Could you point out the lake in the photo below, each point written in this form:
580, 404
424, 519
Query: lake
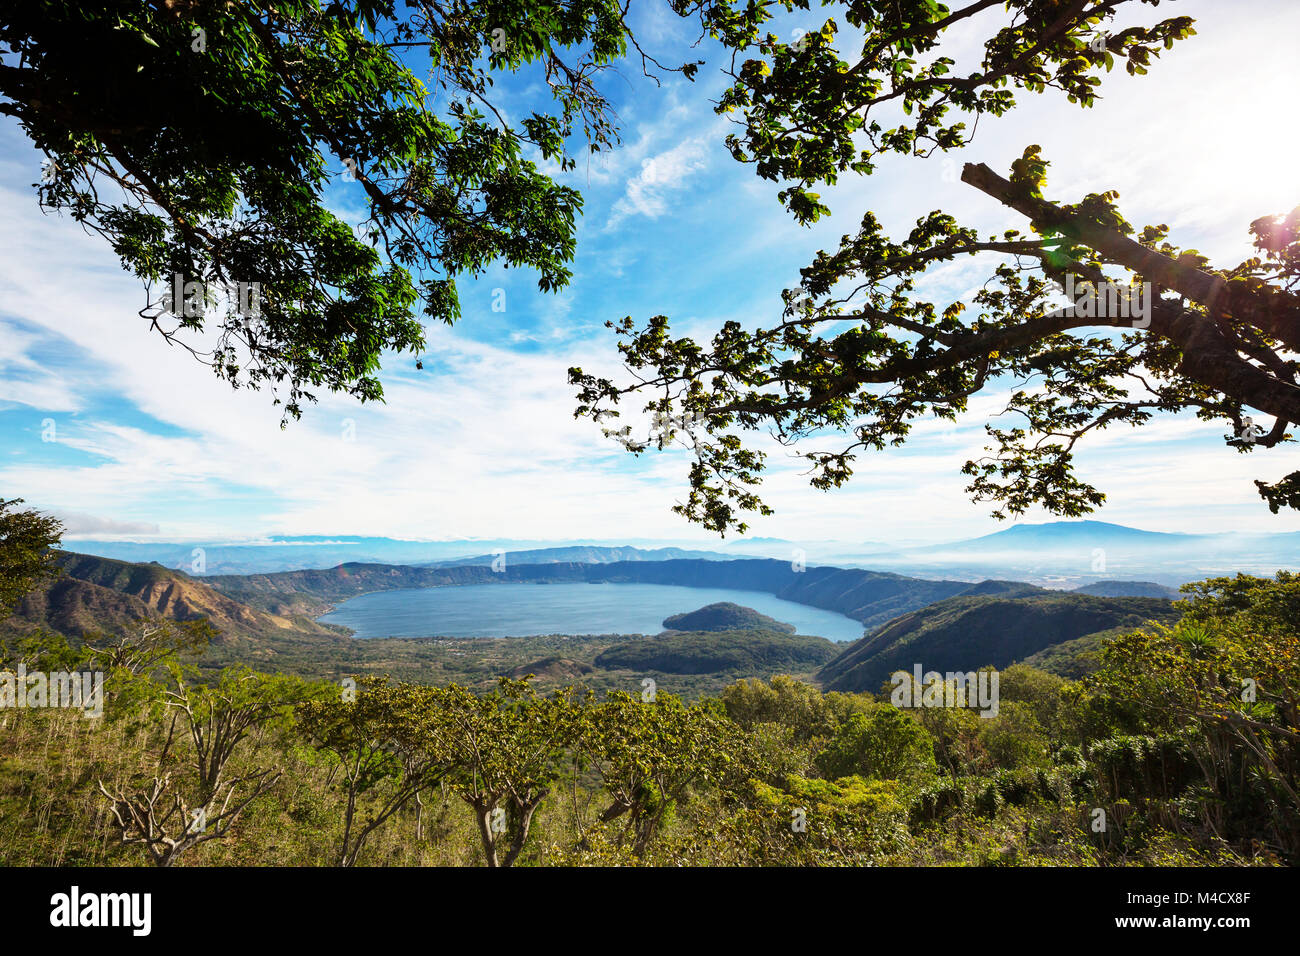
518, 609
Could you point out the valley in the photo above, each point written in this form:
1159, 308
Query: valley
289, 621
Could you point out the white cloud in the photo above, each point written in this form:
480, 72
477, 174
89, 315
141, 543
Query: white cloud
76, 524
648, 192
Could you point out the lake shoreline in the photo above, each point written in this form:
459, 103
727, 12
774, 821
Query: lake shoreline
392, 613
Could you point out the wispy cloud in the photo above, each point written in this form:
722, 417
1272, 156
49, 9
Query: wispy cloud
648, 192
75, 523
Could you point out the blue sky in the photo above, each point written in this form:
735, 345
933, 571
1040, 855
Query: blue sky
110, 428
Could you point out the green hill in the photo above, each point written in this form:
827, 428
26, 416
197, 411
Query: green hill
751, 653
724, 616
1076, 658
964, 633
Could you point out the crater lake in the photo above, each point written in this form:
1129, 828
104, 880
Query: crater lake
518, 609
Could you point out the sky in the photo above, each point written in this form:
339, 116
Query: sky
121, 435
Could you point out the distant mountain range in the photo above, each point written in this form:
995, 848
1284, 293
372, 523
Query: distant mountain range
1059, 554
293, 553
1128, 589
579, 554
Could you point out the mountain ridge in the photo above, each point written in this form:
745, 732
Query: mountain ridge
94, 593
967, 632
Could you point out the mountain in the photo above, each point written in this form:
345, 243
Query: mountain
1069, 554
967, 632
96, 593
279, 553
1129, 589
724, 616
1061, 534
871, 597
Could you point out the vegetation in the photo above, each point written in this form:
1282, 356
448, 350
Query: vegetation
1181, 748
27, 538
199, 140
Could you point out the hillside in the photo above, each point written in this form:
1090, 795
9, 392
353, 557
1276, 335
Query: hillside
102, 594
1007, 589
725, 616
964, 633
1074, 659
748, 653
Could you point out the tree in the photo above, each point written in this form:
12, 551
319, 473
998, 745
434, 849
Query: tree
649, 755
173, 812
389, 746
884, 744
510, 746
160, 818
153, 643
220, 716
782, 700
806, 821
198, 138
1225, 684
1015, 737
858, 349
27, 558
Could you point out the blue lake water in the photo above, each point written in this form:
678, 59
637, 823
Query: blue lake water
517, 609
